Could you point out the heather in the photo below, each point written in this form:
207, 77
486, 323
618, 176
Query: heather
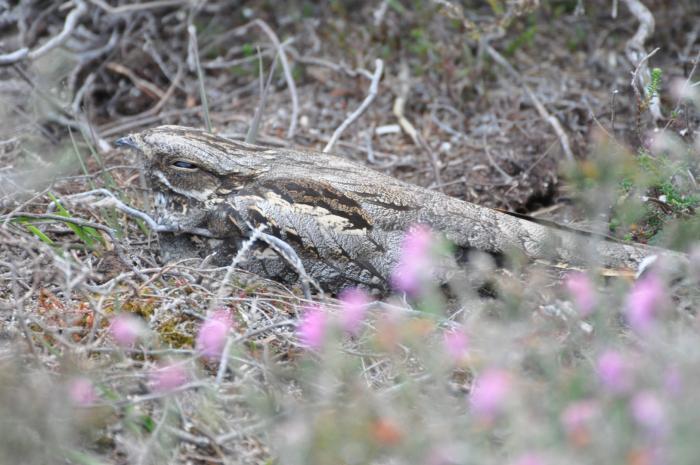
109, 356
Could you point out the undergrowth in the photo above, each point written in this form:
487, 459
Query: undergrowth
116, 359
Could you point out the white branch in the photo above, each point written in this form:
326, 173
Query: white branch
544, 114
56, 41
373, 89
287, 74
638, 56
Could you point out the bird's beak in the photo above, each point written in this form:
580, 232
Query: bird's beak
127, 141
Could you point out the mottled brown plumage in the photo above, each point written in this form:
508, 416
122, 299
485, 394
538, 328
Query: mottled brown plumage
344, 220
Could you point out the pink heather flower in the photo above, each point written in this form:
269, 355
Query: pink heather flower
583, 292
489, 392
312, 328
614, 372
168, 377
529, 458
82, 392
577, 417
649, 412
415, 259
126, 329
644, 302
456, 344
211, 338
673, 383
354, 303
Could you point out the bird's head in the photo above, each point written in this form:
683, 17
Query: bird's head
189, 168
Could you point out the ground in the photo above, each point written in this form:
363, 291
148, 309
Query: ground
546, 108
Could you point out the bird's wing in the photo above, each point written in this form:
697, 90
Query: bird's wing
325, 226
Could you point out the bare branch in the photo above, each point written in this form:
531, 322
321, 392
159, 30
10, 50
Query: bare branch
194, 50
252, 135
371, 95
637, 55
56, 41
137, 6
14, 57
544, 114
637, 70
287, 74
406, 125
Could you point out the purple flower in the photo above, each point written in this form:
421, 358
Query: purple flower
312, 328
529, 458
126, 329
211, 338
354, 303
490, 392
614, 372
577, 418
414, 265
673, 383
168, 377
644, 302
82, 392
583, 292
456, 344
649, 412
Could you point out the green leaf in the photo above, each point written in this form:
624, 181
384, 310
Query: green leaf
76, 456
88, 235
34, 230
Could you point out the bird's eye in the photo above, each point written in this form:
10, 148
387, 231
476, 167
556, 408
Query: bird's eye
185, 165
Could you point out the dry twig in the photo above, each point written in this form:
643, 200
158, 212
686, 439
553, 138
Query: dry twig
637, 55
194, 51
352, 117
56, 41
287, 75
137, 6
407, 126
544, 114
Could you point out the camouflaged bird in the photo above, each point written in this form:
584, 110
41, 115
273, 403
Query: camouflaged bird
345, 221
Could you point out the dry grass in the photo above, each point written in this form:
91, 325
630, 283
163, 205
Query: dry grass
445, 116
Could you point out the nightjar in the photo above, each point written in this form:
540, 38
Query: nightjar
343, 220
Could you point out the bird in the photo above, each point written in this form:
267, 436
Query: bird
345, 222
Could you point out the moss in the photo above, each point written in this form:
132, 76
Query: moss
143, 307
178, 332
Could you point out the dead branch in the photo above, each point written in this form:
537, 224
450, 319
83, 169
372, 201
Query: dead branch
137, 6
407, 126
544, 114
635, 75
56, 41
352, 117
142, 84
287, 74
111, 200
82, 223
637, 55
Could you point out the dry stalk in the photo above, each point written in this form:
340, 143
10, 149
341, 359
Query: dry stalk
136, 7
352, 117
407, 126
637, 55
194, 52
544, 114
287, 74
54, 42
